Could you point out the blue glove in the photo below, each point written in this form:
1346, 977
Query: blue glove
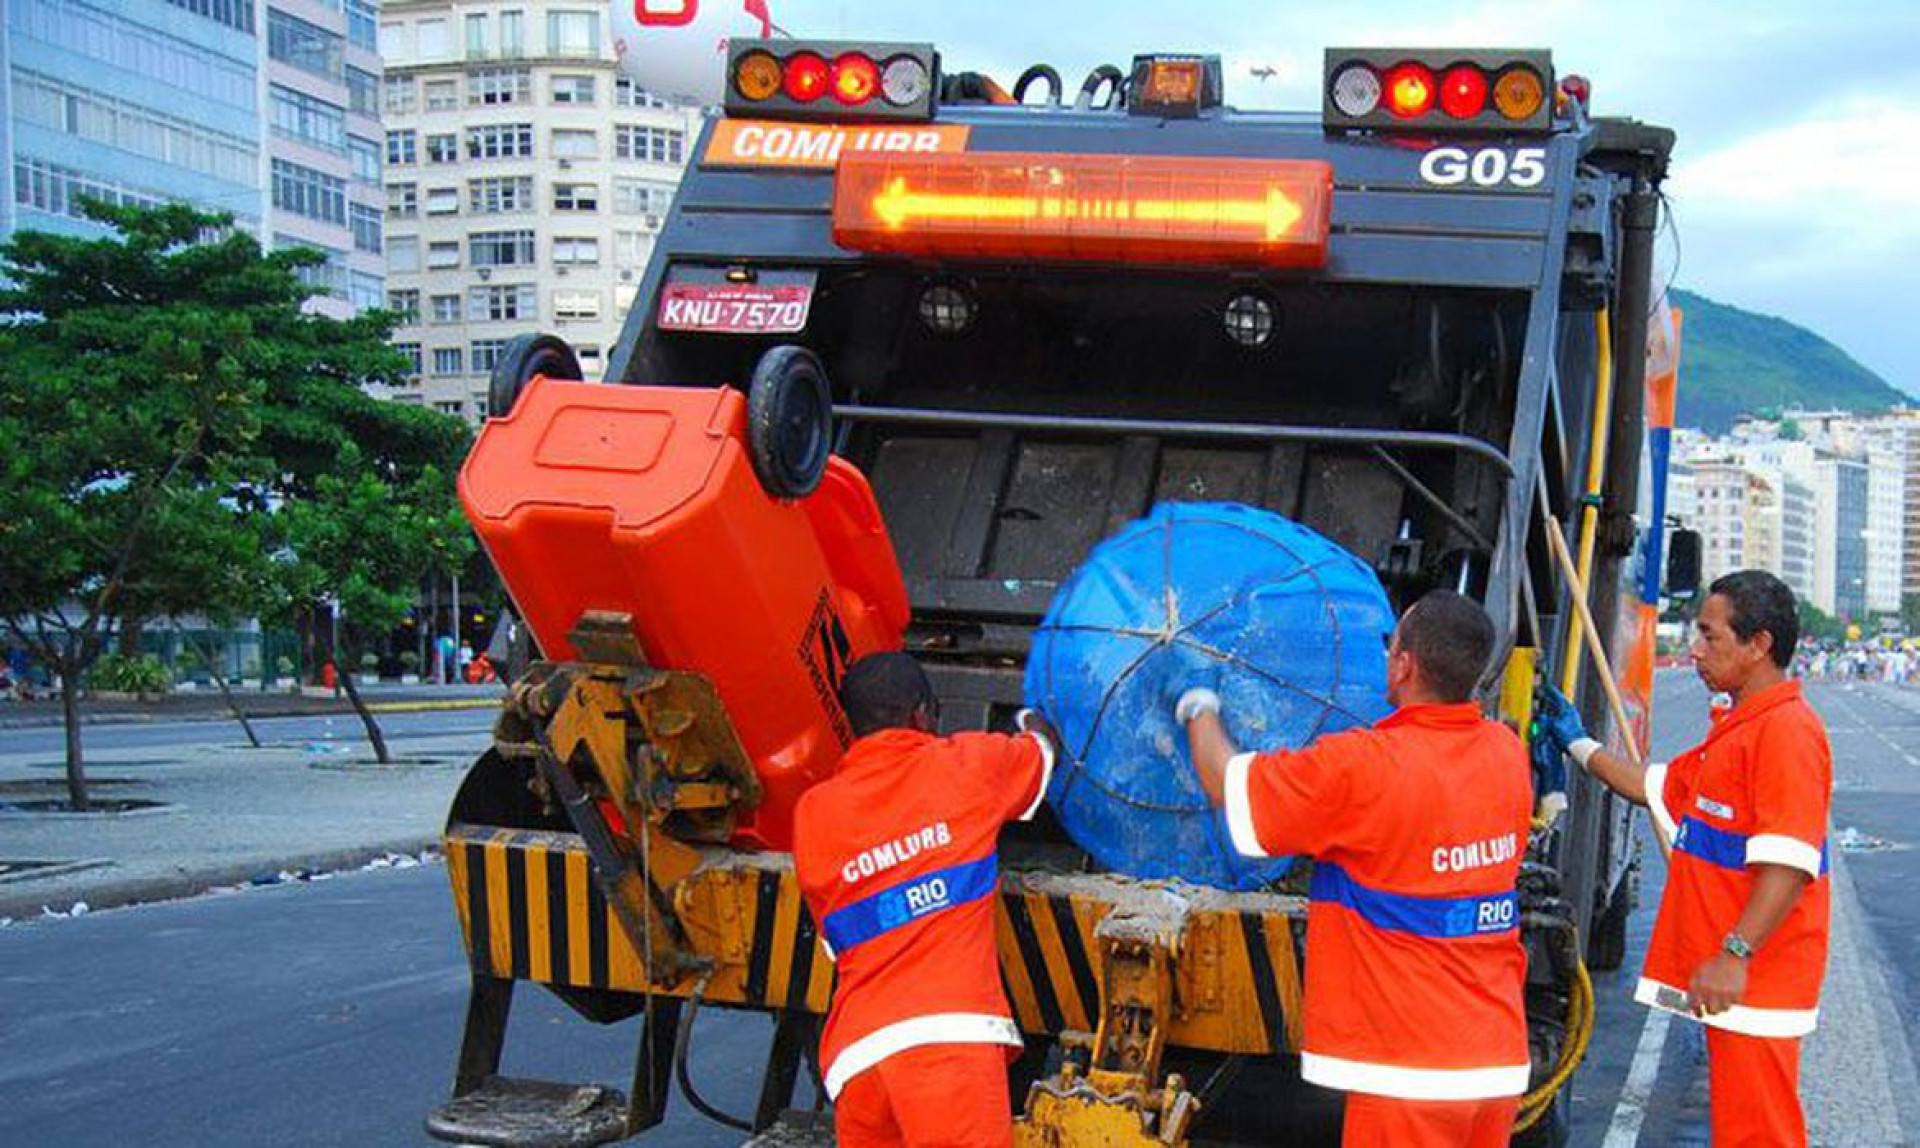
1557, 723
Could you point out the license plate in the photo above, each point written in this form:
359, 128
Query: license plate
735, 308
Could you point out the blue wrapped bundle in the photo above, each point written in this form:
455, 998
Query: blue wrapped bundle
1288, 626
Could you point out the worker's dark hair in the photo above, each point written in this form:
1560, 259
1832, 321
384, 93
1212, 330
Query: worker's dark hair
1760, 601
882, 691
1451, 637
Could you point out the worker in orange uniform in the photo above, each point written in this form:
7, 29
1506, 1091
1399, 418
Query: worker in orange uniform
1741, 938
1417, 825
896, 856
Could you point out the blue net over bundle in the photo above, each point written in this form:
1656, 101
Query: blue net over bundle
1289, 627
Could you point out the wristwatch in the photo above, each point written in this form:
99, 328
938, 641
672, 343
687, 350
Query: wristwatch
1737, 945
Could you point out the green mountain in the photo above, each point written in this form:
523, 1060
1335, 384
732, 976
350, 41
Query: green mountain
1734, 362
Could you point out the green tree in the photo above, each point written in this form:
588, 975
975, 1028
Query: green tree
1818, 625
168, 400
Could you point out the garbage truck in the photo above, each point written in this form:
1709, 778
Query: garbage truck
909, 346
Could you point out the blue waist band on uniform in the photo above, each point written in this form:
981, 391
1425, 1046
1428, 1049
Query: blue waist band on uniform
1721, 847
910, 900
1442, 917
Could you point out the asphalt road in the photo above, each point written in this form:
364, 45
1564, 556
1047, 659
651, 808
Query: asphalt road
282, 730
329, 1012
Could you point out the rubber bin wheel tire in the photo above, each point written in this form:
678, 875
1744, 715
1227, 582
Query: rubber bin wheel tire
520, 360
789, 421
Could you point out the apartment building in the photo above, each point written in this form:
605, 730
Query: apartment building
525, 179
267, 111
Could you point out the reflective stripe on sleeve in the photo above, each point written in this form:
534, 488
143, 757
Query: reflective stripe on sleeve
938, 1028
1046, 776
1779, 849
1414, 1083
1240, 807
1656, 783
1769, 1022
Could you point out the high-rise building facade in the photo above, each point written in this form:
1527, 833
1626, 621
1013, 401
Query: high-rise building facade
526, 179
265, 110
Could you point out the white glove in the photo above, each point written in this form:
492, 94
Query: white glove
1193, 703
1023, 721
1549, 809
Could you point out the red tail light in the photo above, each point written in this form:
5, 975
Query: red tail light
807, 78
856, 79
1463, 92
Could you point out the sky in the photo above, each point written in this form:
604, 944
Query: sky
1795, 188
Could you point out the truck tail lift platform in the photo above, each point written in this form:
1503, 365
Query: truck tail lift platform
1006, 325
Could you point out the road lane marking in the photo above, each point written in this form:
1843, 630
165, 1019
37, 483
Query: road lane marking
1637, 1092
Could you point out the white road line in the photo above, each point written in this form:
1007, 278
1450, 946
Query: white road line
1637, 1092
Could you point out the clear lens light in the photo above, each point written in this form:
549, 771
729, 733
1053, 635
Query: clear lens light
903, 81
1356, 90
946, 309
1249, 320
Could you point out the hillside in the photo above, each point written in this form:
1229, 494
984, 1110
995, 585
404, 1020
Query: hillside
1734, 362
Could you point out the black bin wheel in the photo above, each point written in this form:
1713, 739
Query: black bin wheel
522, 359
789, 421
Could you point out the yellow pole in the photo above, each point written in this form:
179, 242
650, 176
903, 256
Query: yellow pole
1589, 509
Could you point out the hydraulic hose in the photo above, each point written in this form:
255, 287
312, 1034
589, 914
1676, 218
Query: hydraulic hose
1573, 1050
681, 1040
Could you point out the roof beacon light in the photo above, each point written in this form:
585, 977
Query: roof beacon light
1436, 90
821, 80
1174, 87
1102, 208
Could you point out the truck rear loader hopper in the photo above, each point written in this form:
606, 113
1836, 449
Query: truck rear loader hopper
1420, 390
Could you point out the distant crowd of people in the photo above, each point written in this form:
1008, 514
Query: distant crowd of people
1896, 666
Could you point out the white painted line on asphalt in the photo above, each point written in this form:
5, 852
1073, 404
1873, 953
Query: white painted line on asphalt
1637, 1092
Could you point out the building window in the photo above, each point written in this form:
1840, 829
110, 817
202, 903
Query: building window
627, 94
484, 354
446, 308
397, 95
477, 36
574, 144
299, 116
366, 227
443, 95
629, 248
443, 148
363, 24
311, 193
573, 90
449, 361
363, 91
576, 304
641, 197
495, 196
573, 33
366, 159
576, 197
235, 14
127, 46
411, 351
405, 305
57, 190
660, 145
441, 256
91, 116
589, 356
443, 201
329, 276
308, 47
403, 200
500, 141
403, 254
363, 290
498, 302
403, 147
575, 251
513, 34
431, 36
500, 86
500, 248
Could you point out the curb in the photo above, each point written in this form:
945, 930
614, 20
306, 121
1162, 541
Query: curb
25, 906
54, 721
